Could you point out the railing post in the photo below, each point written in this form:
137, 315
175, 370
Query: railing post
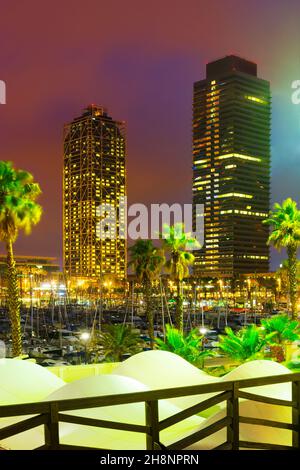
229, 414
151, 413
51, 428
296, 413
233, 431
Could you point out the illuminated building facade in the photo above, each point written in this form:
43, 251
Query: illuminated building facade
94, 175
231, 167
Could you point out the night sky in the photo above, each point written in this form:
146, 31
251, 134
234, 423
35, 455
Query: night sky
139, 59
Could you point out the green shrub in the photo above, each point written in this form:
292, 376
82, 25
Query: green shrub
280, 329
247, 344
189, 346
283, 328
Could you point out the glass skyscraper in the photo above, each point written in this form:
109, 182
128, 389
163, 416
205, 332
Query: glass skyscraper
231, 167
94, 175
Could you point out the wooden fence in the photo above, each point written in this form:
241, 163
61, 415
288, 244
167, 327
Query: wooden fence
51, 413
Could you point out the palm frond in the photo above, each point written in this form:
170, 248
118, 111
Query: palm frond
246, 344
281, 328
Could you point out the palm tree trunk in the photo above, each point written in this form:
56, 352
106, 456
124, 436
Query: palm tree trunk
14, 302
149, 313
118, 357
292, 272
179, 307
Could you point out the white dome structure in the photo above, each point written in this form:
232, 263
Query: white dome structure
251, 432
262, 368
132, 413
26, 381
23, 381
7, 398
163, 369
248, 408
101, 437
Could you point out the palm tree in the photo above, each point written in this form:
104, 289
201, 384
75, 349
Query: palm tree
283, 327
117, 340
147, 261
189, 347
282, 330
285, 223
18, 211
247, 344
176, 241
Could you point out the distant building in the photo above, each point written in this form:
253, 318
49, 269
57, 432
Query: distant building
35, 264
231, 167
33, 272
94, 174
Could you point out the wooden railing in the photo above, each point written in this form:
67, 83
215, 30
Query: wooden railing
51, 413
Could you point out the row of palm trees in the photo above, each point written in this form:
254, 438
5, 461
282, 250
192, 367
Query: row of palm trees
270, 340
147, 261
20, 211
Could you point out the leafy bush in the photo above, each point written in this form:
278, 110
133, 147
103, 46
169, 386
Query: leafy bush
280, 329
247, 344
293, 365
189, 346
117, 340
283, 328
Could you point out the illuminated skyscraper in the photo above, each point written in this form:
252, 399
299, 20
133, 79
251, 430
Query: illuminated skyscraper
231, 167
94, 175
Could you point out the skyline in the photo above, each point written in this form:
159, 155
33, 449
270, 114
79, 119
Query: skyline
148, 83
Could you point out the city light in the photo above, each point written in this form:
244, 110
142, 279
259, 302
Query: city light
85, 336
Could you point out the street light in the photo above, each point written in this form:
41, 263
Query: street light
85, 336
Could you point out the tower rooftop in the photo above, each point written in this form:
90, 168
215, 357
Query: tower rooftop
228, 64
